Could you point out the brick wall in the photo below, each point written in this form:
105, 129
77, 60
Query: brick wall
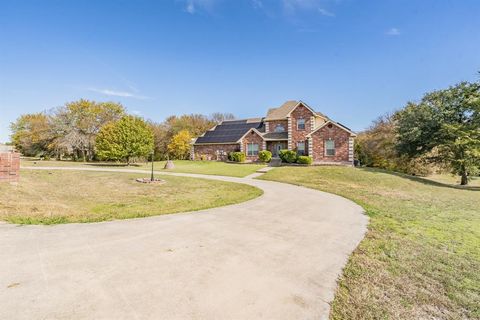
9, 166
299, 135
214, 151
341, 138
252, 137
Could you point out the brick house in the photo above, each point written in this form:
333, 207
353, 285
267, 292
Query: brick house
293, 126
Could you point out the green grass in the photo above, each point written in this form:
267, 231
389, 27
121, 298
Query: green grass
43, 197
185, 166
420, 258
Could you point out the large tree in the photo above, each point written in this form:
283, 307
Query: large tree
31, 134
445, 123
124, 139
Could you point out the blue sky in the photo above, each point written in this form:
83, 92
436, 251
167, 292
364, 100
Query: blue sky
352, 60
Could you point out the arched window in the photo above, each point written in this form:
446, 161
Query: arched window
279, 128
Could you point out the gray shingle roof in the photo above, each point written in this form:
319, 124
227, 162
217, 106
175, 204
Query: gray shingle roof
276, 136
230, 131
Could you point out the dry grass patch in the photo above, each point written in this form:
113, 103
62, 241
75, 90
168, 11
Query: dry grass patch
421, 256
43, 197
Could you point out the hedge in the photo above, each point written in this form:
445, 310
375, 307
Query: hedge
288, 156
237, 156
304, 160
265, 156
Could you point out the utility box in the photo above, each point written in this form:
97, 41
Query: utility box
9, 164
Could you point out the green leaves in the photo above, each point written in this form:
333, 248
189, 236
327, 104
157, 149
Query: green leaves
122, 140
446, 122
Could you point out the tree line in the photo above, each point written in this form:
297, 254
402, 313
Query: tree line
87, 130
441, 131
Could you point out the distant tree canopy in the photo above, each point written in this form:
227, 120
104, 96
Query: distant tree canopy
442, 129
124, 139
31, 133
72, 130
446, 123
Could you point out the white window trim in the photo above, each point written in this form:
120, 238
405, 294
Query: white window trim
334, 148
248, 151
304, 124
304, 147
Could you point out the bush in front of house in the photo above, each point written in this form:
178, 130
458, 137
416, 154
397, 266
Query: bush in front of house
237, 156
265, 156
304, 160
288, 156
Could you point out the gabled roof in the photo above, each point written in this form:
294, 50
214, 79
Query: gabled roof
286, 109
341, 126
282, 111
230, 131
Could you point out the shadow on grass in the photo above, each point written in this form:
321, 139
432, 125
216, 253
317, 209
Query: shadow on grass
107, 164
422, 180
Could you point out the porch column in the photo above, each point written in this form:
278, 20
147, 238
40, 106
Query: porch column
264, 145
289, 145
350, 149
310, 147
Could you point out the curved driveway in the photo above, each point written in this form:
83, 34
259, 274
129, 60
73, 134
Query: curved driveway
275, 257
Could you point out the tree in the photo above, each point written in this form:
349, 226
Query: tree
87, 117
179, 146
31, 134
218, 117
124, 139
446, 123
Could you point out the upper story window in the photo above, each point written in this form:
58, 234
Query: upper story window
279, 128
329, 147
301, 148
252, 149
301, 124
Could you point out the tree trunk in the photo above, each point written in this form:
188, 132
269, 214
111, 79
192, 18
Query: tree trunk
464, 180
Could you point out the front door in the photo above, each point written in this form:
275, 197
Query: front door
276, 149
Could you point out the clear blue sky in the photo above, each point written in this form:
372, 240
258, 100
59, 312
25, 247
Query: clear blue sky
352, 60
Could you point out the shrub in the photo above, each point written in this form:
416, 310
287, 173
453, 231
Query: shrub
237, 156
288, 156
265, 156
304, 160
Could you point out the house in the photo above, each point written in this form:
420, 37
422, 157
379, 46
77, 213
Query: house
293, 126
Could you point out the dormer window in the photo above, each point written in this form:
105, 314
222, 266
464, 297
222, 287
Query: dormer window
279, 128
301, 124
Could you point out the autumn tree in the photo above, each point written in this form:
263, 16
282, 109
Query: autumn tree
31, 134
179, 146
124, 139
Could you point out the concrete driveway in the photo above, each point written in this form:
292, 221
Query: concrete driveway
274, 257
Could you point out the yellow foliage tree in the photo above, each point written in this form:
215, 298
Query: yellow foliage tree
179, 146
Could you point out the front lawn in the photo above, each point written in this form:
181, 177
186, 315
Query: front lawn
421, 256
43, 197
185, 166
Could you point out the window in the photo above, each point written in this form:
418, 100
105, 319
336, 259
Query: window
329, 147
300, 124
279, 128
252, 149
301, 148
